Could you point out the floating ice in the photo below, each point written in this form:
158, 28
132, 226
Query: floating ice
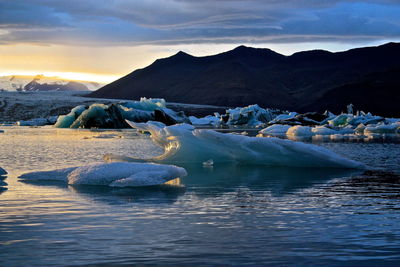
276, 129
322, 130
114, 115
65, 121
184, 144
299, 130
283, 117
34, 122
208, 120
383, 129
148, 104
117, 174
252, 115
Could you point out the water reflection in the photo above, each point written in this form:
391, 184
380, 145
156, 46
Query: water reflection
166, 193
277, 180
210, 182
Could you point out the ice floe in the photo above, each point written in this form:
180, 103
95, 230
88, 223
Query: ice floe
185, 144
208, 120
276, 129
116, 174
37, 122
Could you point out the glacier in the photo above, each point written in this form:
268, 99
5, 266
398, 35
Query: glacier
116, 174
183, 143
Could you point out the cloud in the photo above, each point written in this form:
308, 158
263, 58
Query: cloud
136, 22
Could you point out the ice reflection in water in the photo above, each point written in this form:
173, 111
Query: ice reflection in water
220, 215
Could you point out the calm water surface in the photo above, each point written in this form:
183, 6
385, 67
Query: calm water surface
223, 215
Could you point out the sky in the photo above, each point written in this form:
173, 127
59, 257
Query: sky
102, 40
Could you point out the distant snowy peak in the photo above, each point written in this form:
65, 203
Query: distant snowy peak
43, 83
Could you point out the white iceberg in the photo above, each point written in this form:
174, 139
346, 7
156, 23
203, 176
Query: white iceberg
282, 117
185, 144
299, 130
34, 122
392, 128
147, 104
208, 120
322, 130
252, 115
116, 174
276, 129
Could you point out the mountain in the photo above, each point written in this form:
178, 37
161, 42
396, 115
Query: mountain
43, 83
305, 81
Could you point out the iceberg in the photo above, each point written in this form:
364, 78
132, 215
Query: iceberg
252, 115
147, 104
34, 122
322, 130
299, 130
185, 144
116, 174
208, 120
392, 128
276, 129
65, 121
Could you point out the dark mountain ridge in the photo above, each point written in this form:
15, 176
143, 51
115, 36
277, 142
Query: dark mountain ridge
304, 81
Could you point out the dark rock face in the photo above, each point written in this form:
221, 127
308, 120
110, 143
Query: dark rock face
305, 81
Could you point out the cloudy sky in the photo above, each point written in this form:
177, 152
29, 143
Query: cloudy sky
105, 39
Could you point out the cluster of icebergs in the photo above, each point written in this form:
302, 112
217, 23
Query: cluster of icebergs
335, 126
114, 115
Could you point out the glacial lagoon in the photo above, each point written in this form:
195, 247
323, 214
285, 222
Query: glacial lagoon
221, 214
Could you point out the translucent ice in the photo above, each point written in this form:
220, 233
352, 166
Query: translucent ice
276, 129
116, 174
184, 144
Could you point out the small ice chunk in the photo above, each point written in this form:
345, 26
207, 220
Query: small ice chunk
113, 174
299, 130
208, 120
359, 129
276, 129
208, 163
383, 129
322, 130
34, 122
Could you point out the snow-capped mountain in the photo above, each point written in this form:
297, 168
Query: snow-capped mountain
44, 83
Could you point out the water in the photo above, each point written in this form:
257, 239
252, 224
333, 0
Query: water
216, 216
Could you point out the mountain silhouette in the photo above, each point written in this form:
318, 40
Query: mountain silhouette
314, 80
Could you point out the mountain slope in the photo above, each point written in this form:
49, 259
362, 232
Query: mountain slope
44, 83
248, 75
